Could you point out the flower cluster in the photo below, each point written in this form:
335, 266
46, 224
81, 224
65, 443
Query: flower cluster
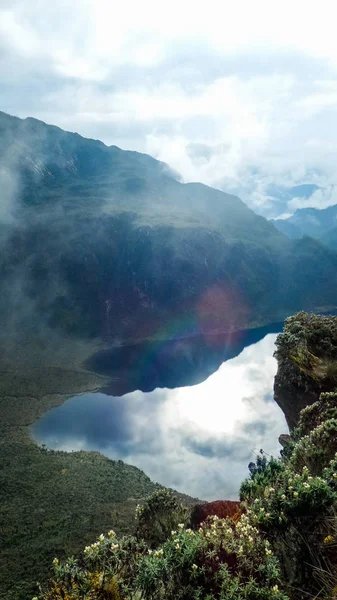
213, 558
298, 492
222, 559
288, 512
293, 494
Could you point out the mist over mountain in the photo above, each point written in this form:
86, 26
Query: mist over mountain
101, 243
281, 197
313, 222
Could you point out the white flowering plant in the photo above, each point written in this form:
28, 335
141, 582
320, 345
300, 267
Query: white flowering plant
293, 499
221, 560
282, 546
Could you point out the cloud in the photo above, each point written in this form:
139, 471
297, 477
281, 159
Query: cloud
254, 85
321, 198
197, 439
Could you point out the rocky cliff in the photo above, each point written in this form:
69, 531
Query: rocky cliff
307, 362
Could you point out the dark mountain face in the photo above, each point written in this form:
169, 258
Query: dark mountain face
313, 222
101, 243
286, 227
330, 238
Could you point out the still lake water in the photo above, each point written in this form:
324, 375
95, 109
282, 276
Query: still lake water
190, 413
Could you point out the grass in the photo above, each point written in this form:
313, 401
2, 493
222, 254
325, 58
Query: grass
53, 503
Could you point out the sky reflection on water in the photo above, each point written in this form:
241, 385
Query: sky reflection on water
196, 439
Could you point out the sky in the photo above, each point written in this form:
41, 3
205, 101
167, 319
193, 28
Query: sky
238, 95
178, 440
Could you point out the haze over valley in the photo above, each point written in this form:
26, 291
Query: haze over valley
167, 203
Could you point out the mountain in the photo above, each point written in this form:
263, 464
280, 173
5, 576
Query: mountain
100, 247
281, 196
254, 182
330, 238
286, 227
101, 243
313, 222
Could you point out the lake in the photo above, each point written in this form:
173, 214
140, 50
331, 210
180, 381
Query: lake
190, 413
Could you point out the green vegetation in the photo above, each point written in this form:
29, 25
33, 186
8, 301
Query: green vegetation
158, 516
293, 502
221, 560
284, 544
307, 358
105, 247
53, 503
104, 243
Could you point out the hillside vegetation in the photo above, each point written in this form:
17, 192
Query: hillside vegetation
100, 247
283, 546
52, 503
101, 243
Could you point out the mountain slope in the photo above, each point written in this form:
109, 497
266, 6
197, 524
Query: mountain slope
287, 228
313, 222
102, 243
330, 238
53, 167
98, 247
282, 196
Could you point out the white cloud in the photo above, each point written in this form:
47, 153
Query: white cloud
22, 39
255, 82
197, 439
100, 29
320, 199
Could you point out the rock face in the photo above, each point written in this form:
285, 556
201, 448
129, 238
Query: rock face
307, 362
97, 242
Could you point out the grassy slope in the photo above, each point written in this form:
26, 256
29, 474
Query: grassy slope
53, 503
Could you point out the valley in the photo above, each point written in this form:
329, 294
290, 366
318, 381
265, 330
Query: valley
106, 259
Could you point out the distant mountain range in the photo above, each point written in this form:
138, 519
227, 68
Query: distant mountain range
98, 242
253, 183
280, 197
313, 222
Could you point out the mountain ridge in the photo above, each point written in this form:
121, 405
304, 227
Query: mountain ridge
105, 243
313, 222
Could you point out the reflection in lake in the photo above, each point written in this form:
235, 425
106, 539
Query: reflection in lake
172, 363
197, 439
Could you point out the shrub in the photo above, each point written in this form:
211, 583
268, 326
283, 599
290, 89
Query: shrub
159, 514
316, 434
294, 509
220, 561
285, 543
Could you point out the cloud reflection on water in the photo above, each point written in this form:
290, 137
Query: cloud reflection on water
196, 439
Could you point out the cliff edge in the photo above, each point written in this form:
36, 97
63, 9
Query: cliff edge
307, 362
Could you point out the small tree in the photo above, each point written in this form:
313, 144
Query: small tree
158, 516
